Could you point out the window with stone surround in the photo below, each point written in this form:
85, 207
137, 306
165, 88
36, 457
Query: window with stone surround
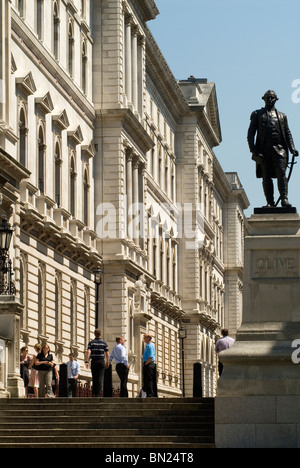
86, 197
71, 41
58, 306
23, 130
41, 159
39, 18
21, 7
84, 68
57, 174
41, 299
56, 22
72, 183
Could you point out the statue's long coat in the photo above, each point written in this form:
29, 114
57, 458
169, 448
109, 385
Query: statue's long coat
259, 126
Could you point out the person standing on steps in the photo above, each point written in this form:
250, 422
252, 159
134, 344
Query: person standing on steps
119, 355
73, 375
223, 343
149, 366
34, 373
44, 361
24, 368
97, 351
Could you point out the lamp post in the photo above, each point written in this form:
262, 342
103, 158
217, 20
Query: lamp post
182, 336
98, 280
6, 285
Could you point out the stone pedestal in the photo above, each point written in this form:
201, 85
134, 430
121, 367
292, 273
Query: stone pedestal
258, 396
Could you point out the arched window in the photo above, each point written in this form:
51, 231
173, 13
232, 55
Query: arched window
84, 67
58, 308
41, 300
22, 138
58, 161
73, 314
41, 160
71, 48
83, 9
86, 190
86, 316
21, 8
55, 30
23, 290
72, 186
39, 18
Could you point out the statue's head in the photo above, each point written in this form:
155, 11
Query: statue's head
270, 97
270, 93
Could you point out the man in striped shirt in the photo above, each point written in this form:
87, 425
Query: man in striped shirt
97, 351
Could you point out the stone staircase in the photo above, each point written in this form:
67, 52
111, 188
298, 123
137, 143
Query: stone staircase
107, 423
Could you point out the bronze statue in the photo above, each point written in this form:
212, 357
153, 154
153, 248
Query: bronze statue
270, 149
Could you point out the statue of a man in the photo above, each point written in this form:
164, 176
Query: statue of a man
270, 149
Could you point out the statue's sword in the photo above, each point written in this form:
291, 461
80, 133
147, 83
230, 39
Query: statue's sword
291, 166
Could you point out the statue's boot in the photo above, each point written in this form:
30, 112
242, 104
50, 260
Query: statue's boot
283, 190
269, 192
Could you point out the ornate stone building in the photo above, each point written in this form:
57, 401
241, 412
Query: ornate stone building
108, 162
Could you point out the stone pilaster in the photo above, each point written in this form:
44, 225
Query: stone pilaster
10, 311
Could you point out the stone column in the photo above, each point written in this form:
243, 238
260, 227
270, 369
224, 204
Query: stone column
128, 59
135, 212
5, 63
135, 70
141, 72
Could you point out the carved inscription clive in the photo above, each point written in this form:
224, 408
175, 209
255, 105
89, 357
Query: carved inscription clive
275, 264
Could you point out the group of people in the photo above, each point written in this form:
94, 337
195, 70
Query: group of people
99, 359
40, 374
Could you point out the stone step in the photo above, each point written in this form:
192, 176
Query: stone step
94, 438
152, 426
102, 416
104, 403
20, 401
113, 445
175, 431
107, 423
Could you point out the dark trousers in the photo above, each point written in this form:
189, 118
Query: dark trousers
148, 375
72, 388
122, 372
274, 165
98, 369
221, 367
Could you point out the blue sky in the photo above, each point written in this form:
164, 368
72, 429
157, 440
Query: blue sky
246, 47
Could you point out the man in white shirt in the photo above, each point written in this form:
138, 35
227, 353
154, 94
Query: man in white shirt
122, 367
73, 374
223, 343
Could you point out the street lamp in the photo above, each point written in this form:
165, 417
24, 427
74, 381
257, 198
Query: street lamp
182, 336
98, 280
6, 285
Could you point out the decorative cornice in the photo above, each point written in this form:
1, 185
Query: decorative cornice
26, 84
148, 9
61, 120
130, 125
12, 167
164, 80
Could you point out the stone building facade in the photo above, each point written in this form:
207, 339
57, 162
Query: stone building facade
113, 167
